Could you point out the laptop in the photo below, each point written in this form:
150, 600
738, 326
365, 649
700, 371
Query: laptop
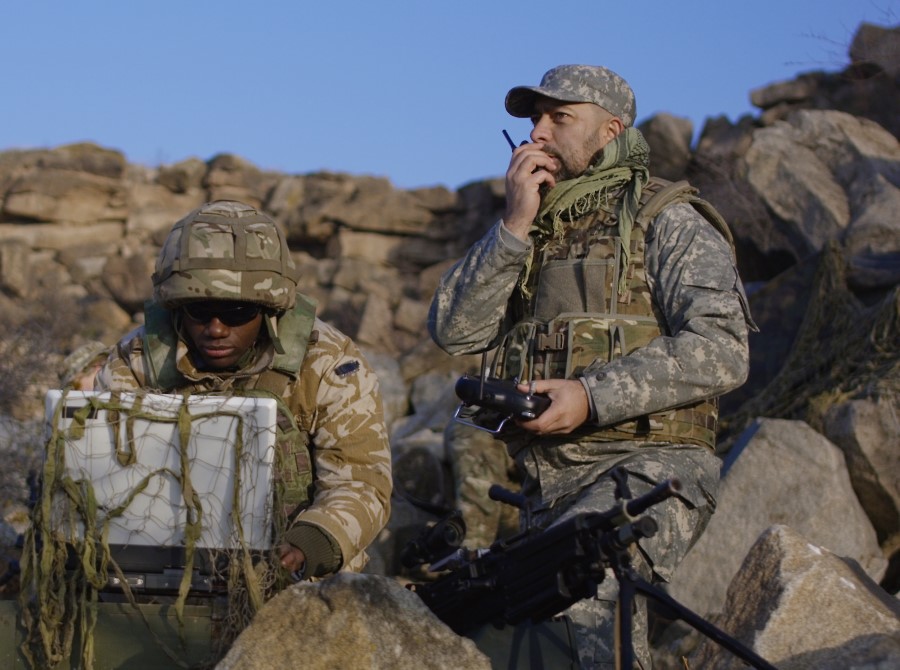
134, 462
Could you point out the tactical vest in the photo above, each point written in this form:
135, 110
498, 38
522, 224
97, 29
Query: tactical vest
293, 466
576, 318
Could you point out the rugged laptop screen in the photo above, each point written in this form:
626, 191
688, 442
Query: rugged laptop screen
157, 465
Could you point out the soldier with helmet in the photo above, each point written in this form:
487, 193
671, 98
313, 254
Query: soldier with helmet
616, 295
226, 317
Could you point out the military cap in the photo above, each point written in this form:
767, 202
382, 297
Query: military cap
577, 83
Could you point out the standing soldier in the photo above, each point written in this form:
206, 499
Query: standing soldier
618, 297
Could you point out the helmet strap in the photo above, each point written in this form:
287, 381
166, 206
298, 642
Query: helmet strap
271, 321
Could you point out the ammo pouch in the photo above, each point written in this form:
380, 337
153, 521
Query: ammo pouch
566, 346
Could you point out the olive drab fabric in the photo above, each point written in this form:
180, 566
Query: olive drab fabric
579, 319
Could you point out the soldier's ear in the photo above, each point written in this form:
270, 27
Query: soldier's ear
613, 127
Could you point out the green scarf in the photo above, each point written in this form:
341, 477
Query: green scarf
622, 162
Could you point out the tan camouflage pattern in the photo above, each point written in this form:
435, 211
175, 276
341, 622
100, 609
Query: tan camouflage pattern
577, 83
342, 412
225, 250
79, 368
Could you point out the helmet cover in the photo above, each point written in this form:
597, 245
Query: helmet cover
225, 250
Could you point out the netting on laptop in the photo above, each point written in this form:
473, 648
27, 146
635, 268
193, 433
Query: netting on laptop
152, 498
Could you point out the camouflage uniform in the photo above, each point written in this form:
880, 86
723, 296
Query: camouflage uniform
334, 396
686, 270
342, 413
80, 367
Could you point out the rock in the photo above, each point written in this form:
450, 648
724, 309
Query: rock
62, 236
878, 46
376, 325
778, 308
800, 606
59, 195
669, 138
866, 431
779, 472
230, 177
15, 268
394, 392
350, 621
154, 208
107, 320
371, 247
843, 188
128, 279
375, 206
182, 177
798, 187
713, 171
85, 157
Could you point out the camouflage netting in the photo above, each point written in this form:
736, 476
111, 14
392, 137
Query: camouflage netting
843, 350
148, 491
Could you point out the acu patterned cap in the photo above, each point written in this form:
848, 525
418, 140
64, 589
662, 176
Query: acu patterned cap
226, 250
577, 83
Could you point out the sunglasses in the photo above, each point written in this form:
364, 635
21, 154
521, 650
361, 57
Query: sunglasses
229, 313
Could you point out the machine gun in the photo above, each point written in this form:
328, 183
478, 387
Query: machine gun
536, 575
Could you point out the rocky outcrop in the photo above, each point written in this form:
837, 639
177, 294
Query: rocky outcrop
810, 187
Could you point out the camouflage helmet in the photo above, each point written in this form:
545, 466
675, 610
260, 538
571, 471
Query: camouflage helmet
225, 250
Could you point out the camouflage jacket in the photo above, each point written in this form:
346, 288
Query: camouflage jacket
338, 402
702, 353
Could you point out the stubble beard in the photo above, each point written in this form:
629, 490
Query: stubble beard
565, 171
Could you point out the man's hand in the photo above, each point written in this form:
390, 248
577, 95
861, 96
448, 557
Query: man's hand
529, 168
292, 559
568, 410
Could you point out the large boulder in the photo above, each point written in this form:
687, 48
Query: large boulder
779, 472
799, 606
828, 176
350, 621
866, 430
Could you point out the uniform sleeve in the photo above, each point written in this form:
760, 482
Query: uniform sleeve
468, 311
704, 352
122, 370
351, 452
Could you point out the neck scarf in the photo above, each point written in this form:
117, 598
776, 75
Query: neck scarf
622, 163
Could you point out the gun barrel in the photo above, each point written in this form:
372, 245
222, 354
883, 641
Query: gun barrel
657, 494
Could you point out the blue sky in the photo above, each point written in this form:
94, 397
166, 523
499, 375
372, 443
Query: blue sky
412, 91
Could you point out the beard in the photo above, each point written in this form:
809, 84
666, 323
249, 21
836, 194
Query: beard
566, 169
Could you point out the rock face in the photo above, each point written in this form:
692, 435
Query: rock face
779, 472
799, 606
350, 621
810, 187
